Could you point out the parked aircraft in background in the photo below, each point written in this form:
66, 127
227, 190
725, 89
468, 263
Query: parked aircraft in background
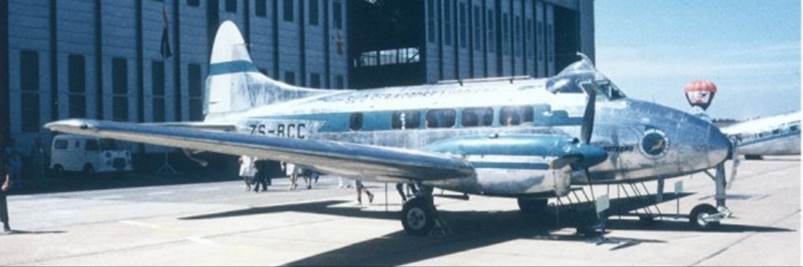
777, 135
531, 139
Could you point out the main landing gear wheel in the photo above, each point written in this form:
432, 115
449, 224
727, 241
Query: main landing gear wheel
418, 216
698, 216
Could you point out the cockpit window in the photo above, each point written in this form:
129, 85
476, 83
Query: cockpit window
571, 79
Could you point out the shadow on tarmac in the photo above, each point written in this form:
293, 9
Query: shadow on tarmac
475, 229
24, 232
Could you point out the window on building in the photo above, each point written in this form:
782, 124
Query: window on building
491, 40
315, 80
473, 117
231, 5
477, 29
463, 26
287, 7
337, 16
76, 69
193, 2
119, 89
29, 85
340, 82
313, 12
196, 91
440, 118
550, 42
261, 8
529, 33
290, 77
355, 121
431, 21
512, 116
517, 35
447, 22
158, 90
406, 120
505, 34
539, 36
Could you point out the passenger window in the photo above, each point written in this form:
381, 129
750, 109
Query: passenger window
776, 131
406, 120
355, 123
473, 117
440, 118
61, 144
512, 116
77, 144
793, 128
91, 145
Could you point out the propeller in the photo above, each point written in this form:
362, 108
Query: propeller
585, 155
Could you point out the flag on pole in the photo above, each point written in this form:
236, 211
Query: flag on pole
164, 50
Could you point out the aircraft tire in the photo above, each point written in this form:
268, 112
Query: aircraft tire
418, 216
695, 216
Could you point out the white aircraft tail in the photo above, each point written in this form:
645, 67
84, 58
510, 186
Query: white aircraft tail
235, 84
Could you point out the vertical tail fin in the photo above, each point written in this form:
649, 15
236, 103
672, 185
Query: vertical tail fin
235, 84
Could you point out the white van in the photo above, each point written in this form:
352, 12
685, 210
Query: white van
75, 153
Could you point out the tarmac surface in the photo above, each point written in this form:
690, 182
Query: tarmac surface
218, 223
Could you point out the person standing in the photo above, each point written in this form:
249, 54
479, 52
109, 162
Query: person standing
14, 162
247, 170
361, 188
261, 177
4, 189
292, 173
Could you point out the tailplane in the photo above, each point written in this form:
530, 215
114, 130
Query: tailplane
235, 84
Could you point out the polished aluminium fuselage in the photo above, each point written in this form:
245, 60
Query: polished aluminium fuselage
690, 144
770, 136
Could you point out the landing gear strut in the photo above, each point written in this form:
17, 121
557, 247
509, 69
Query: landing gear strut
707, 217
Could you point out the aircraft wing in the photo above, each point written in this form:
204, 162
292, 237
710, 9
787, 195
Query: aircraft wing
337, 158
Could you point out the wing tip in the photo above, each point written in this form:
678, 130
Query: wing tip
69, 124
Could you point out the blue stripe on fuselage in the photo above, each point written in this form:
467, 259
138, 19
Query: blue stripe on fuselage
510, 165
772, 137
232, 67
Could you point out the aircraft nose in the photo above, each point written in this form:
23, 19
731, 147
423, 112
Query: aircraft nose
719, 146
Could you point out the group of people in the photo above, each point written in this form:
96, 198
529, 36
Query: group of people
255, 173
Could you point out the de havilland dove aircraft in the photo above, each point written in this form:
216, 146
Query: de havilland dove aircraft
525, 138
777, 135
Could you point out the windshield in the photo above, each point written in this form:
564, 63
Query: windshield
108, 144
571, 79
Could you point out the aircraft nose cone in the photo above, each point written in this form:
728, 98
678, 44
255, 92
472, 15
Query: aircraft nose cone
719, 146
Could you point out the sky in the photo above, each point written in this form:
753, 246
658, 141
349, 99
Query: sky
749, 48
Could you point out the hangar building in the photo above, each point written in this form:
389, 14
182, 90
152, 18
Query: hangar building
103, 59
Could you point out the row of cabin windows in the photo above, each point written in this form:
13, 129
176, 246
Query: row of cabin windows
446, 118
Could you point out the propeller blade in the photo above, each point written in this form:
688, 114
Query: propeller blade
588, 117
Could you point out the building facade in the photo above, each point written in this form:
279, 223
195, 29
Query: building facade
103, 59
